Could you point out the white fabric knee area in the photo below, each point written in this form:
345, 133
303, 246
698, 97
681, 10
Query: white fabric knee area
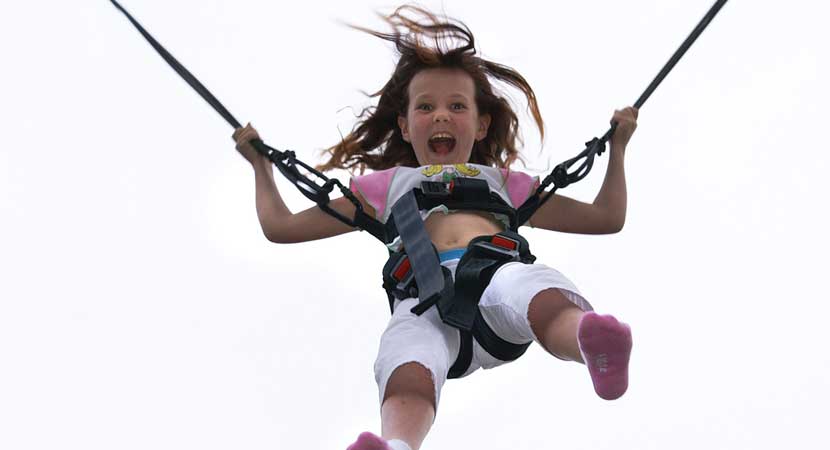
397, 444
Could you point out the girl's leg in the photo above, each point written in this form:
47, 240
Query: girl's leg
601, 342
555, 320
411, 368
408, 408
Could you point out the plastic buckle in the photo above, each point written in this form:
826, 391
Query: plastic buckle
506, 242
403, 274
498, 251
401, 269
436, 189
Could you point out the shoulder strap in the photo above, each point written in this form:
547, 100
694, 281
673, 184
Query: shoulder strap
422, 254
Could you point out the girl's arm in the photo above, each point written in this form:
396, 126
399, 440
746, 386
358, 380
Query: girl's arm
607, 213
278, 223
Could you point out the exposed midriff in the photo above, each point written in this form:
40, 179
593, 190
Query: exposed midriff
456, 229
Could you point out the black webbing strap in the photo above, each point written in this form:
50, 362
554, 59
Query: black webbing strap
484, 256
422, 255
560, 177
465, 356
472, 275
181, 70
287, 164
464, 194
489, 341
494, 345
284, 160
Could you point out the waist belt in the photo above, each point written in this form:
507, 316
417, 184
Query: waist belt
457, 301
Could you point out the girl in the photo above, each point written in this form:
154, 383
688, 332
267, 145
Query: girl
439, 118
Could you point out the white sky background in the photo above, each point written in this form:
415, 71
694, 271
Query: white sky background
141, 307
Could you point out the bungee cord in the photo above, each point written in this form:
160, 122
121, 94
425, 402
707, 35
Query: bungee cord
287, 162
560, 176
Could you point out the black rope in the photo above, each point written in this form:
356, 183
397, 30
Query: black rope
680, 52
181, 70
286, 161
560, 177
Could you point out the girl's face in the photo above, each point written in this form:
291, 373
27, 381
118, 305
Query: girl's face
442, 121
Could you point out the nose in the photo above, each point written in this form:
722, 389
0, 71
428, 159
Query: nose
441, 116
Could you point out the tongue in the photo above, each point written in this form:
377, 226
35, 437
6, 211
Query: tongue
442, 147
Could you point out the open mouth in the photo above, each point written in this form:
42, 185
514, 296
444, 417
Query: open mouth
442, 144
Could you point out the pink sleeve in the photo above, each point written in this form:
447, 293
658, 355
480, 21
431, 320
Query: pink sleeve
519, 186
374, 188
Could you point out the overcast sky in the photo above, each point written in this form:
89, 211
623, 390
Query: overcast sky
141, 307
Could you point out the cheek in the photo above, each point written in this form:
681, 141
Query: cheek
420, 123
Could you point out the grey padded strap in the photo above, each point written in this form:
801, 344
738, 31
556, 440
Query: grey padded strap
418, 247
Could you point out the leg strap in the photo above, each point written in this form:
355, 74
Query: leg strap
457, 302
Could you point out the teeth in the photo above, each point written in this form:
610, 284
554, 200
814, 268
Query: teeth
442, 135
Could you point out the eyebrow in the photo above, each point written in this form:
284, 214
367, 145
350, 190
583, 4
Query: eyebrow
427, 96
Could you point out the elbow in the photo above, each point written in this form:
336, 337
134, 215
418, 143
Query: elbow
615, 225
273, 235
273, 238
609, 220
278, 231
618, 225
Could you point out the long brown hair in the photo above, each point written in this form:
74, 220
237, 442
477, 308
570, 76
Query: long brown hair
376, 141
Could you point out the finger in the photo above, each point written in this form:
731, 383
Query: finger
631, 111
250, 135
627, 114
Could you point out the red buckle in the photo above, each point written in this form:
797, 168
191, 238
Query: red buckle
504, 242
402, 269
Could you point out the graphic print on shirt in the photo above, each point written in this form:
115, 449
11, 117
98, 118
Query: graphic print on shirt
450, 172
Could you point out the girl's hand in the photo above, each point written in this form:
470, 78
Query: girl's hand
626, 124
243, 138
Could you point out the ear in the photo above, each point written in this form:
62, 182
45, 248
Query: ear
404, 126
483, 126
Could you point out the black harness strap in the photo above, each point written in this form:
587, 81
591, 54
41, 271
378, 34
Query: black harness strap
458, 304
464, 194
560, 176
464, 358
485, 255
424, 262
286, 162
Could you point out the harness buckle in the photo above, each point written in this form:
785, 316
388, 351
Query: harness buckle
436, 189
501, 247
497, 251
399, 278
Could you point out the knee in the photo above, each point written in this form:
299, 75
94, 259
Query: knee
411, 380
545, 307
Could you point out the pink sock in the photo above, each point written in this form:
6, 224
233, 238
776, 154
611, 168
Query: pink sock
368, 441
605, 344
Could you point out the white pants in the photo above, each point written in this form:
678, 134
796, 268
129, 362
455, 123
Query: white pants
427, 340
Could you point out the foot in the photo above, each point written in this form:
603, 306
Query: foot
605, 344
368, 441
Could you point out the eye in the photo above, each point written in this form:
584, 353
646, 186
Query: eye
424, 107
460, 106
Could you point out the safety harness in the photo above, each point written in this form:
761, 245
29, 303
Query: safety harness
457, 302
416, 271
